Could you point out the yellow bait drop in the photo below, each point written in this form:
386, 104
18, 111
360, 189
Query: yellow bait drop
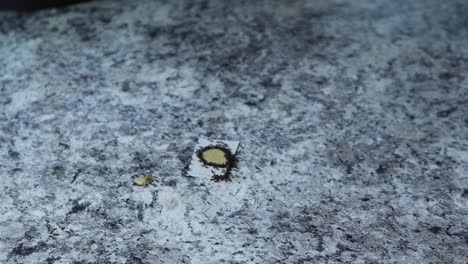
215, 156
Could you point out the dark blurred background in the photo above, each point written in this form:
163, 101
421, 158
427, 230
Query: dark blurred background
31, 5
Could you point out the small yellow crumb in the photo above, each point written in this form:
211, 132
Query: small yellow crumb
143, 180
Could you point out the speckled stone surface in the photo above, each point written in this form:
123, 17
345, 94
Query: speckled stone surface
352, 117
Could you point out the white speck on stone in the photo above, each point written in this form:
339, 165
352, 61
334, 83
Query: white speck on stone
143, 195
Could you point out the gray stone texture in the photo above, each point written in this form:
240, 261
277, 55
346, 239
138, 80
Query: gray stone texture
352, 117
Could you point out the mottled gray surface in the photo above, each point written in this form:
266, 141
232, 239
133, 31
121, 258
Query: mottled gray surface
352, 116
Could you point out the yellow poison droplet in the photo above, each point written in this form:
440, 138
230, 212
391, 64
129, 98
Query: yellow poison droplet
215, 156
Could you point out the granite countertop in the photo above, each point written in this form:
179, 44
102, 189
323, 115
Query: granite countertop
352, 117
